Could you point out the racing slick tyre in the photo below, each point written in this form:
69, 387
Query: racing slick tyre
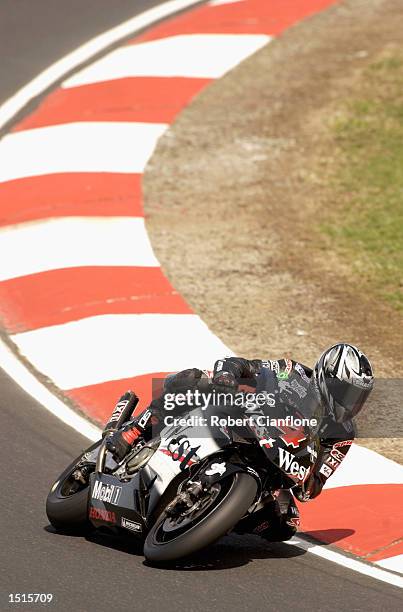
67, 501
174, 537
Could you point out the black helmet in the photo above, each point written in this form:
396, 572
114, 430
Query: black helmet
343, 379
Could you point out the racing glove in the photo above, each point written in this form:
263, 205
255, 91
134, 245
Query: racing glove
225, 381
301, 493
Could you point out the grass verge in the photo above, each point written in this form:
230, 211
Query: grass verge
366, 222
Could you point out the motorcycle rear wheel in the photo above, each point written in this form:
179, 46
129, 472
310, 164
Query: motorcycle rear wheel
228, 505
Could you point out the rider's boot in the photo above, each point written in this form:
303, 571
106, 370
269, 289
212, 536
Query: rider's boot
277, 521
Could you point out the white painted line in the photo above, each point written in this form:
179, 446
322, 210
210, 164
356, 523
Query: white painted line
69, 242
73, 60
110, 347
395, 564
348, 562
27, 381
188, 55
220, 2
79, 147
363, 466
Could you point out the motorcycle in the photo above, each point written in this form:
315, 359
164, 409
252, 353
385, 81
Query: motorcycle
188, 485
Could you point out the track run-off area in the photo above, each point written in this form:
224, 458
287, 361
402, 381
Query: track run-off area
83, 294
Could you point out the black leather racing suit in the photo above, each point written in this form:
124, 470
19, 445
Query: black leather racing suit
279, 519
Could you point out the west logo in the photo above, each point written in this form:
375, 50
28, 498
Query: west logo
290, 465
106, 492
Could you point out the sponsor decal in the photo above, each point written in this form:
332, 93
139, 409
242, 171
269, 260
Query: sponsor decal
100, 514
332, 462
290, 465
326, 470
298, 367
292, 436
288, 366
219, 366
181, 450
106, 492
131, 525
267, 442
120, 406
338, 455
216, 468
266, 364
293, 521
284, 385
145, 417
342, 443
291, 387
299, 389
261, 432
275, 366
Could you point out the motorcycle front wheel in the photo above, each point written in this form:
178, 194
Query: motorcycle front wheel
67, 501
175, 536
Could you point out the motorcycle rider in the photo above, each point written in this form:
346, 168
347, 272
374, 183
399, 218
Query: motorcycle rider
340, 383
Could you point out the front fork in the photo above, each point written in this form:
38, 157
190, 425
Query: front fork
121, 413
207, 475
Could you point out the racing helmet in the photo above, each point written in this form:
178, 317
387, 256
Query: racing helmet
343, 378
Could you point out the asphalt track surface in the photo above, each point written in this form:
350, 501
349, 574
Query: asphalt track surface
106, 573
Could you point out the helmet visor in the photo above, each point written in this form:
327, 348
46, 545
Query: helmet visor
351, 397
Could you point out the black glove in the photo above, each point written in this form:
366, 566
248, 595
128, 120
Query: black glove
309, 489
183, 380
225, 382
301, 494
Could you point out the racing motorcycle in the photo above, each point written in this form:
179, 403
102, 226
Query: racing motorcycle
187, 486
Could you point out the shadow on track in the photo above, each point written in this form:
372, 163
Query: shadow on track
323, 537
229, 552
